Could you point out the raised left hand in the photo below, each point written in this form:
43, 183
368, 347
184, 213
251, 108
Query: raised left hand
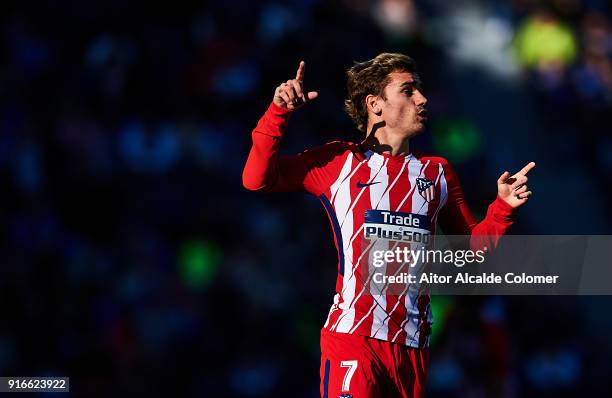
513, 189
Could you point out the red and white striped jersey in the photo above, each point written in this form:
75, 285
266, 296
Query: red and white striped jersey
361, 191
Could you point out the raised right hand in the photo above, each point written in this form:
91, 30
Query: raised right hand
290, 95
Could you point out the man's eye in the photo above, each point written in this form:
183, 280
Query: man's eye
408, 91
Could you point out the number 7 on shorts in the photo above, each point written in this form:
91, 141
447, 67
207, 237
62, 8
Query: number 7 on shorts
352, 367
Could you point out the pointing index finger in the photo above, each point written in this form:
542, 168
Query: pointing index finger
299, 76
527, 168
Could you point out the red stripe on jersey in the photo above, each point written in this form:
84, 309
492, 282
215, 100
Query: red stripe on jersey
362, 297
380, 201
399, 314
433, 174
395, 307
399, 200
361, 202
336, 313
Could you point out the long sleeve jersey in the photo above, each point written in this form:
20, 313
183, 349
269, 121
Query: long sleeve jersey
363, 193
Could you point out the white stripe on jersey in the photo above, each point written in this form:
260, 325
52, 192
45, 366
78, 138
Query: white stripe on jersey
385, 195
347, 318
341, 205
346, 169
419, 206
379, 194
344, 175
401, 328
412, 182
443, 195
418, 203
357, 234
332, 309
372, 177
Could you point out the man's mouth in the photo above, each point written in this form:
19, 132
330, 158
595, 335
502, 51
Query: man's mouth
422, 114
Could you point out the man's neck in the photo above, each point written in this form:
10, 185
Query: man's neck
380, 140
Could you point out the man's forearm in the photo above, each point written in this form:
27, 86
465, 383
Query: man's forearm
487, 233
260, 170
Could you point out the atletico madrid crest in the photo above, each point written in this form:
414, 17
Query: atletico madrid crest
426, 188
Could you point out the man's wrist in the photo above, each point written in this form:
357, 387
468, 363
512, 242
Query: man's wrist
503, 211
278, 110
274, 121
277, 115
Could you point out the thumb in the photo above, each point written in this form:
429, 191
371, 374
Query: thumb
503, 177
312, 95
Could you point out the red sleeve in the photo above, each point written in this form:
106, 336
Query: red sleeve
266, 170
457, 219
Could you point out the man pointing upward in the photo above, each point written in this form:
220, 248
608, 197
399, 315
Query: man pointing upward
375, 345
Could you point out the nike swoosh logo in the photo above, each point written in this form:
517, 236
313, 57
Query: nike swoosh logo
362, 185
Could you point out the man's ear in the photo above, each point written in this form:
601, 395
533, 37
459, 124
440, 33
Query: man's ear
373, 104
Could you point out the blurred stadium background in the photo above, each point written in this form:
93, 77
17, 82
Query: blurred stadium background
133, 261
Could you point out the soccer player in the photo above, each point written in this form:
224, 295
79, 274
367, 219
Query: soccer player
375, 345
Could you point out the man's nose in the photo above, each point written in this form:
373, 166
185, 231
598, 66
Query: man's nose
420, 99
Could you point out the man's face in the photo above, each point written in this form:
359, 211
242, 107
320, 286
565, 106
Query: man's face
404, 108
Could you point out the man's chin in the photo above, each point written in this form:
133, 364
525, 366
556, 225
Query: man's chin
417, 129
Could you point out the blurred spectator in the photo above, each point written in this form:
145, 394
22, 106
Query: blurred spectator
547, 45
